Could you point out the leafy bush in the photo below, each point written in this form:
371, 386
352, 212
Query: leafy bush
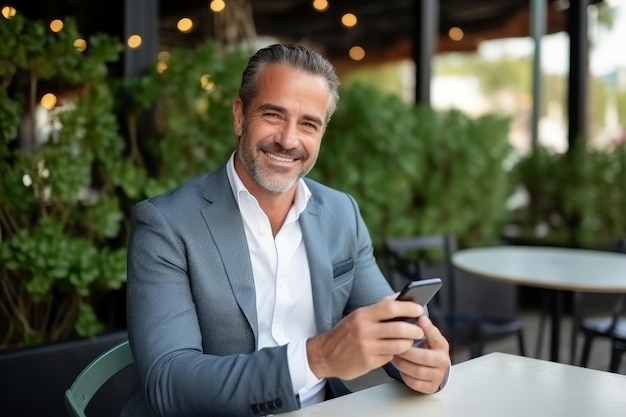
65, 198
577, 197
414, 170
59, 235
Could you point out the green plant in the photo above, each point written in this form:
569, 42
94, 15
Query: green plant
191, 105
66, 190
414, 170
56, 224
577, 197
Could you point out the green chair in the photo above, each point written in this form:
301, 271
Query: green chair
95, 375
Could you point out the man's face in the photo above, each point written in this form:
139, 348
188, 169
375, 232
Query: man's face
281, 131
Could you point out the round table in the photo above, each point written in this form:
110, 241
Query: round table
558, 269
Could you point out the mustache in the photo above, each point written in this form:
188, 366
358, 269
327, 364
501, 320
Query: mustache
277, 149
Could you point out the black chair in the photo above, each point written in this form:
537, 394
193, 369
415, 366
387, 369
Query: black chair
612, 326
619, 347
455, 310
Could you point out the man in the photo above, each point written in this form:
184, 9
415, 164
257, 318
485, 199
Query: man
253, 291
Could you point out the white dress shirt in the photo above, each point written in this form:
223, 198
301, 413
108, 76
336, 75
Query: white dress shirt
282, 280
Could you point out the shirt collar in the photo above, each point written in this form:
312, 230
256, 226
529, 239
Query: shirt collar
303, 194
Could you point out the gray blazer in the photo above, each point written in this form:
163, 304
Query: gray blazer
191, 300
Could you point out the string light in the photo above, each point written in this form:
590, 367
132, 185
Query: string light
320, 5
164, 56
48, 101
162, 61
185, 25
8, 12
161, 67
349, 20
134, 41
56, 25
80, 44
456, 33
356, 53
217, 5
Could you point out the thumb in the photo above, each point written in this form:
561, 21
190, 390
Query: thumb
433, 335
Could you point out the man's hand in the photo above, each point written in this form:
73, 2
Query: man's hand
424, 368
364, 340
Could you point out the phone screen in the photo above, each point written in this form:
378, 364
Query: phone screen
420, 292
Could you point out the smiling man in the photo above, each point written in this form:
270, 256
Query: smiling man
253, 290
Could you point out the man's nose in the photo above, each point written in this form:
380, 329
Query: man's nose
288, 136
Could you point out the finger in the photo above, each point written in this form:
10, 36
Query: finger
405, 309
422, 370
417, 372
388, 308
399, 330
426, 386
436, 340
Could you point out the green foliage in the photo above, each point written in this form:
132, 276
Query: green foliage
65, 198
578, 197
414, 170
194, 111
61, 240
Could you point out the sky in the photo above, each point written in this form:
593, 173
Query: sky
606, 50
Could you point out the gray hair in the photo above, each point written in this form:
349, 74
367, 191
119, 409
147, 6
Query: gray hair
294, 56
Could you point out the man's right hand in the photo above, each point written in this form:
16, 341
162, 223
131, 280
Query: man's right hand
364, 340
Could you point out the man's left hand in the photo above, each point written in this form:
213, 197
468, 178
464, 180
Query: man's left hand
425, 368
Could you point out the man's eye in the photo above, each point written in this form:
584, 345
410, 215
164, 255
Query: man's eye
310, 126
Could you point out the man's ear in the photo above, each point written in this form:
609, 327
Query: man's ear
238, 116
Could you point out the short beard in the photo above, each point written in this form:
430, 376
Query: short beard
272, 183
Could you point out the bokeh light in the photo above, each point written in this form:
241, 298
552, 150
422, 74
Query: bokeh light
80, 44
48, 101
185, 25
8, 12
217, 5
357, 53
349, 20
56, 25
134, 41
455, 33
320, 5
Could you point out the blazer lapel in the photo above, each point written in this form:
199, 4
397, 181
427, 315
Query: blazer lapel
320, 265
226, 227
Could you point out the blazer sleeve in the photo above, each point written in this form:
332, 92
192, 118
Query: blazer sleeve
178, 377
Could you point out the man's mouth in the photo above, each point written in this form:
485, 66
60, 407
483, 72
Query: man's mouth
279, 158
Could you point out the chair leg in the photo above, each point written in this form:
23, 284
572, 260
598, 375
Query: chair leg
542, 323
576, 321
586, 350
520, 342
616, 357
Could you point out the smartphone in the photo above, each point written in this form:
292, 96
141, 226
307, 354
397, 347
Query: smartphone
420, 292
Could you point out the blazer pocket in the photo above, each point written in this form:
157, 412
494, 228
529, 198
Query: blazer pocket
342, 267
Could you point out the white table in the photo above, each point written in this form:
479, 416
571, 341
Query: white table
494, 385
559, 269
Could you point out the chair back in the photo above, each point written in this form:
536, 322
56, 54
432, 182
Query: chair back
95, 375
407, 259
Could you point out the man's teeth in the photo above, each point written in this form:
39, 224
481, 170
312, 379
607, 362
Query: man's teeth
280, 158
